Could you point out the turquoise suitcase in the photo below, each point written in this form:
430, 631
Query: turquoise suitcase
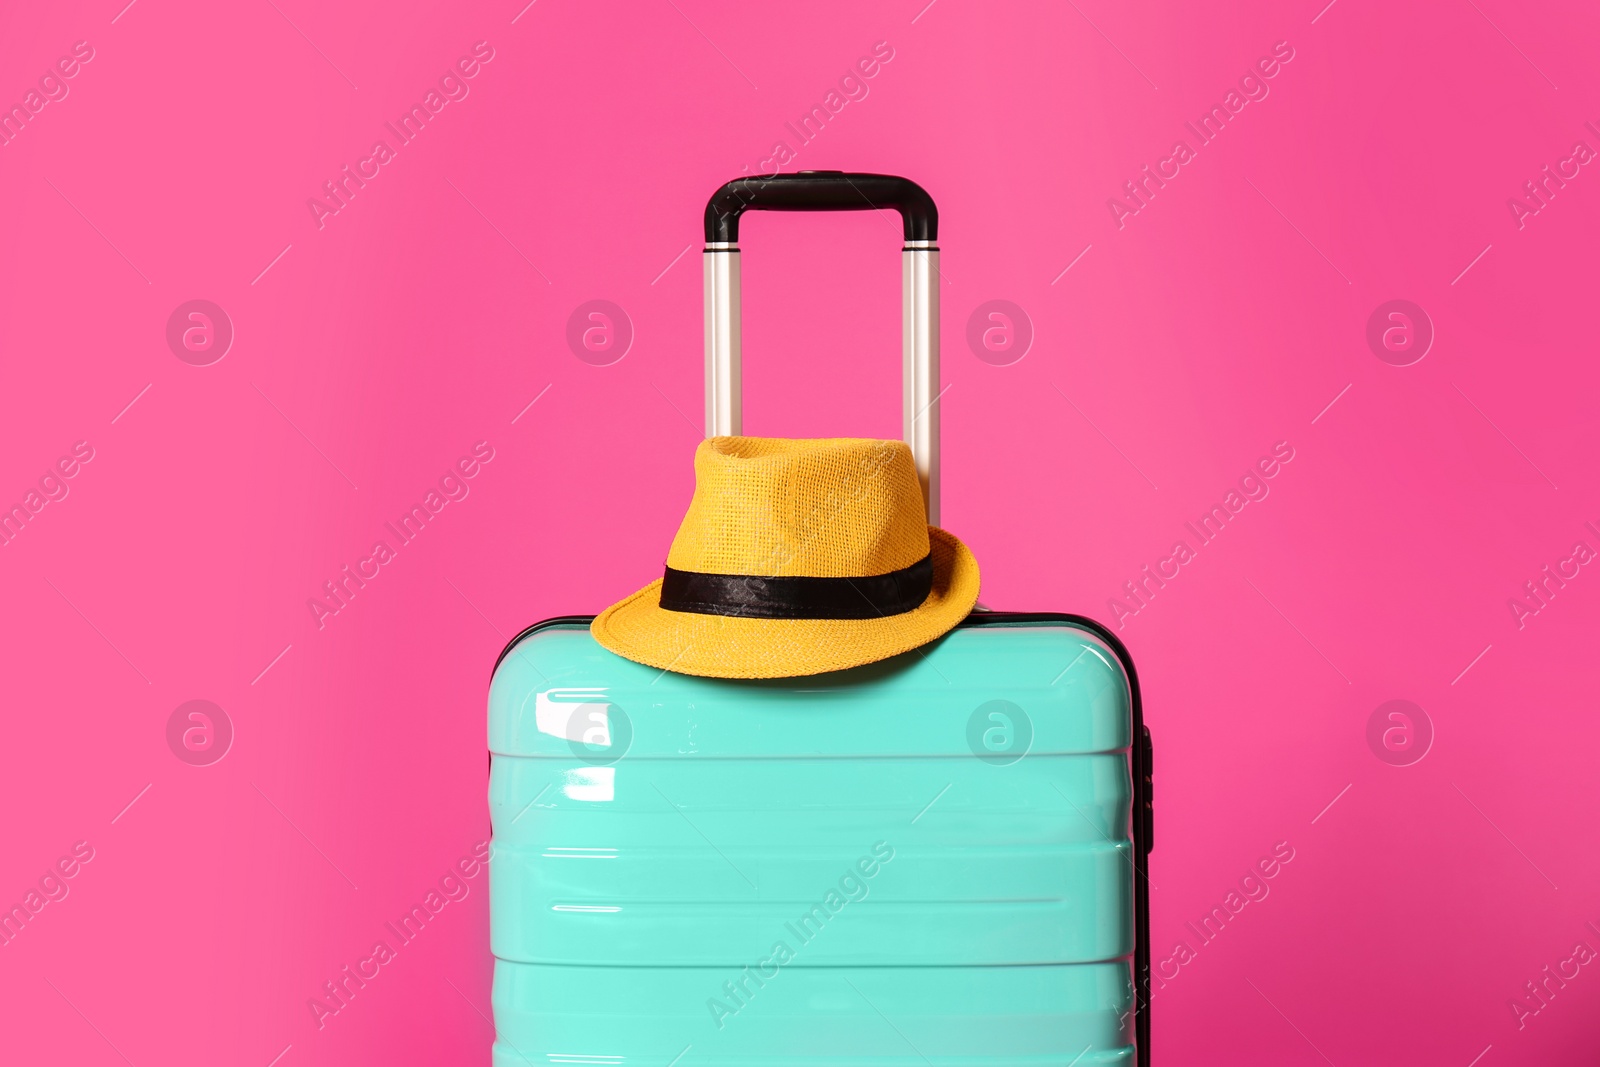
935, 859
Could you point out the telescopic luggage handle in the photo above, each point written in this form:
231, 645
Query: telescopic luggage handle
831, 190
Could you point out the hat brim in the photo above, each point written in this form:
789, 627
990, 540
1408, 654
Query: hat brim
724, 646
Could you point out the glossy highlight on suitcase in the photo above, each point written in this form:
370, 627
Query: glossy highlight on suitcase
939, 858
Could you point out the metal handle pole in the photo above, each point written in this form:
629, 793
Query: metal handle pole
724, 387
919, 365
919, 302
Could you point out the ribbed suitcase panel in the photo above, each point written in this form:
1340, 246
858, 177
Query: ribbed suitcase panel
982, 877
875, 879
817, 1017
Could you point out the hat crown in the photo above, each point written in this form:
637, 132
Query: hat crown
779, 507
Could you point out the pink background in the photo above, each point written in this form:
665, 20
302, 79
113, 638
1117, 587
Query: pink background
1222, 318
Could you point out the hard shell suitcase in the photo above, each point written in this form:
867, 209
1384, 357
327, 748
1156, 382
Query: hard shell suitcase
935, 859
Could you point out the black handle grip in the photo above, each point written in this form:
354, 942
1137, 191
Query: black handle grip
821, 190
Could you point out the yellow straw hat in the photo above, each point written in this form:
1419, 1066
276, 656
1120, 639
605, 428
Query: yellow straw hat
796, 557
